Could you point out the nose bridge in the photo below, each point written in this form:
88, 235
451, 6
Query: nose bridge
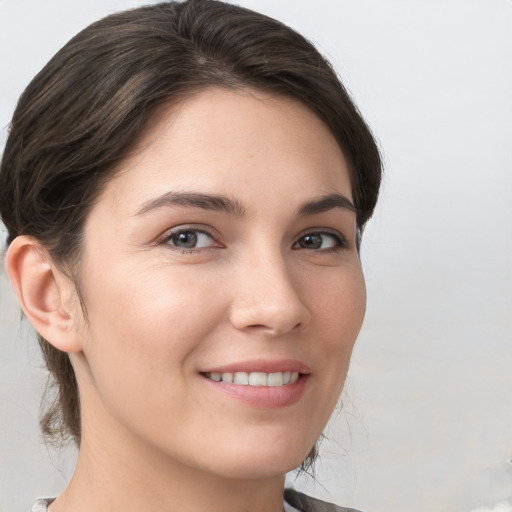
268, 296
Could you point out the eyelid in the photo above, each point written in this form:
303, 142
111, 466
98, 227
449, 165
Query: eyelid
198, 228
343, 241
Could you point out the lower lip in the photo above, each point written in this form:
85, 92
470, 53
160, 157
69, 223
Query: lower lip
262, 397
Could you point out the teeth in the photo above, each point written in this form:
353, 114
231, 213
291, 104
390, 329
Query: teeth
227, 377
255, 378
275, 379
241, 378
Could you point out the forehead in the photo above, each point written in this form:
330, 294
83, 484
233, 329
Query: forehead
235, 142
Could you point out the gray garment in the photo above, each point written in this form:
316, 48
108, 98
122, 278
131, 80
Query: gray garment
308, 504
297, 500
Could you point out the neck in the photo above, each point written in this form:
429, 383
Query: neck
114, 473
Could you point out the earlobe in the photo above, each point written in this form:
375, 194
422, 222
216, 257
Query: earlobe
39, 286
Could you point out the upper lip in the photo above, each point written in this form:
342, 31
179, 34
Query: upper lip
262, 365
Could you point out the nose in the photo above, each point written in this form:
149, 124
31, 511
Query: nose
267, 300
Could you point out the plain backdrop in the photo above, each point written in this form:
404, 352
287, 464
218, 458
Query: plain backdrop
426, 423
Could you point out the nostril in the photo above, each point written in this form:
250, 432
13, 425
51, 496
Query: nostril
274, 329
269, 315
259, 327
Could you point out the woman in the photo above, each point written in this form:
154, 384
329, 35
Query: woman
184, 188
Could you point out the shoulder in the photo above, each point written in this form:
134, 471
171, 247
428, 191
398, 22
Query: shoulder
308, 504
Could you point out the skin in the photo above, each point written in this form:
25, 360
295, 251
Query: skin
156, 434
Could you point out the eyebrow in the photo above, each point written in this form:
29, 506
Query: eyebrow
326, 203
197, 200
221, 203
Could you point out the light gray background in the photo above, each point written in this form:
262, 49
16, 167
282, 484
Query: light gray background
427, 420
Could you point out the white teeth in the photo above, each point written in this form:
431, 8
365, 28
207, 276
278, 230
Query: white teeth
227, 377
275, 379
256, 378
241, 378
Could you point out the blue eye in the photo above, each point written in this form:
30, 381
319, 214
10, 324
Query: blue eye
320, 241
190, 239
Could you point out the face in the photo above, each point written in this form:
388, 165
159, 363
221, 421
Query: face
223, 287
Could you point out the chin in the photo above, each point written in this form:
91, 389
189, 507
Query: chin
267, 460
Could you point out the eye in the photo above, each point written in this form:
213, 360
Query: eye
320, 240
189, 239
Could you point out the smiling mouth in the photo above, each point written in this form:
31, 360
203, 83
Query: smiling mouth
258, 379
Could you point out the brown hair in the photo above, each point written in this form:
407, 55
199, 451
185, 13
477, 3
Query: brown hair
85, 109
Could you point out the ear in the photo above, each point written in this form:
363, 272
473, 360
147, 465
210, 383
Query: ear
45, 294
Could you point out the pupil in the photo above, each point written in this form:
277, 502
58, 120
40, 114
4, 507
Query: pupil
313, 241
187, 240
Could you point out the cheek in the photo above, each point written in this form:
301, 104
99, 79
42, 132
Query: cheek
152, 307
340, 306
145, 325
340, 311
145, 330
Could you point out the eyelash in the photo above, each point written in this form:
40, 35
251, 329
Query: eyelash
167, 238
340, 241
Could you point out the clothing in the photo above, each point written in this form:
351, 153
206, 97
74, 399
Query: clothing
306, 503
41, 504
294, 501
